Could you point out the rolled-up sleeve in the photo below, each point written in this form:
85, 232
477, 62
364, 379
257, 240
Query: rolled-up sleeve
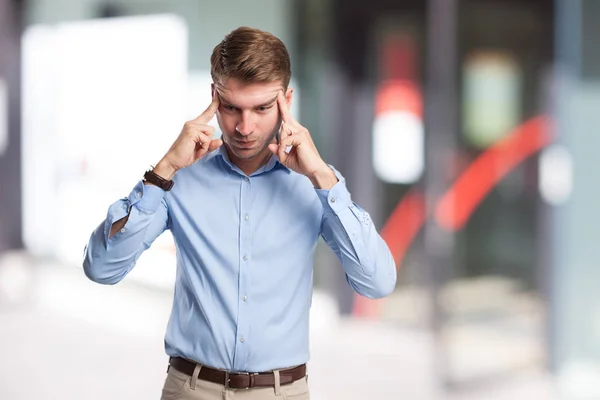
108, 259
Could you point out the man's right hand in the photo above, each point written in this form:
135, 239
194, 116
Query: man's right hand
193, 143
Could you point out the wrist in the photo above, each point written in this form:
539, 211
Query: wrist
165, 170
323, 178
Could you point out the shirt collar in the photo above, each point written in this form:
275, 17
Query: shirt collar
273, 163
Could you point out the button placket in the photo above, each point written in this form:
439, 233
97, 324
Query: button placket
245, 253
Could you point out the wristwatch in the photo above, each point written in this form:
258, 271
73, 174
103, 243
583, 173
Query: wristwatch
152, 177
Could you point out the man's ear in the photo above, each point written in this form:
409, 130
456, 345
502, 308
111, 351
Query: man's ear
288, 96
212, 90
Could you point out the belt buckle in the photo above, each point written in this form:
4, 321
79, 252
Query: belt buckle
250, 379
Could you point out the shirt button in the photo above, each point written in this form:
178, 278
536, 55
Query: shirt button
246, 217
246, 178
245, 257
122, 230
244, 298
242, 339
332, 200
139, 194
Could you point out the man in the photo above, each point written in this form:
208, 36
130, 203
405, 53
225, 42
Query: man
245, 213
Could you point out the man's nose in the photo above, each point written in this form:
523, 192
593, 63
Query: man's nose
246, 125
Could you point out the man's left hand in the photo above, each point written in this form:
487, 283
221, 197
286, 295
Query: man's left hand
297, 151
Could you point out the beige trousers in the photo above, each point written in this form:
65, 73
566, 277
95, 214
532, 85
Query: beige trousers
179, 386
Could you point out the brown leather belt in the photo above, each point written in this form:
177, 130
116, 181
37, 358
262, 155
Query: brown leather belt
238, 380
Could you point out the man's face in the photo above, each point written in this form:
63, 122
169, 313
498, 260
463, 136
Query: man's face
249, 116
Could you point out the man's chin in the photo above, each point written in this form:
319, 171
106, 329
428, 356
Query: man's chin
247, 154
244, 154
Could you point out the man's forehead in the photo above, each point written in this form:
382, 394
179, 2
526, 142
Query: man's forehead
260, 93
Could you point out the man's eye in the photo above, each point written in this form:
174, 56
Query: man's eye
229, 108
264, 108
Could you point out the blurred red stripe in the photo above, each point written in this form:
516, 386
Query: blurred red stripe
454, 209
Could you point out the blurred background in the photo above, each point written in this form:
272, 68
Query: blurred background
468, 129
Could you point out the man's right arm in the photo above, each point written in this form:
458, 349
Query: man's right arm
132, 224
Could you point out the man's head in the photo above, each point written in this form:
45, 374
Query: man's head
249, 67
251, 56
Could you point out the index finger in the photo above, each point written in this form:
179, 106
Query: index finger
209, 113
283, 108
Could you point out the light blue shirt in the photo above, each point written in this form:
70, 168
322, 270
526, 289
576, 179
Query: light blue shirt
245, 247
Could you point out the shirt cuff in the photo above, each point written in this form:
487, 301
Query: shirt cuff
338, 197
146, 198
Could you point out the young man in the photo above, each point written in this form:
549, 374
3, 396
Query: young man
245, 213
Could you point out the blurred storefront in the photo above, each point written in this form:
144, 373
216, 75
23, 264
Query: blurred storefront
443, 122
488, 209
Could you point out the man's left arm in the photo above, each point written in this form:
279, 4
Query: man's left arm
349, 231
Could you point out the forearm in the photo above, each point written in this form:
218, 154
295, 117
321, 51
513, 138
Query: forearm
350, 232
324, 178
364, 255
164, 169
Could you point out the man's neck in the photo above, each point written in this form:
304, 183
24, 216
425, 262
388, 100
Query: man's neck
250, 166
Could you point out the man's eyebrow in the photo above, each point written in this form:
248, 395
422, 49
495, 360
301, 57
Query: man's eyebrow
223, 99
268, 102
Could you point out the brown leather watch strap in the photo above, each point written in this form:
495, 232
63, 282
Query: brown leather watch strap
157, 180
